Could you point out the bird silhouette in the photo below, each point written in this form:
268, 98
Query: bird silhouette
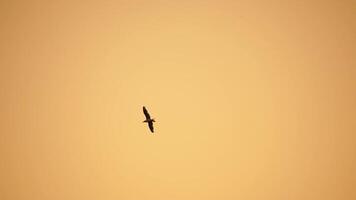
148, 119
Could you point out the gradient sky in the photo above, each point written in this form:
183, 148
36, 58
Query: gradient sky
253, 100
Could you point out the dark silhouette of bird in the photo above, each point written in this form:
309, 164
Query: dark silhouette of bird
148, 119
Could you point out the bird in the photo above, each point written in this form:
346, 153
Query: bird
148, 119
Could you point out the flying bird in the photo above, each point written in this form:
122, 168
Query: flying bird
148, 119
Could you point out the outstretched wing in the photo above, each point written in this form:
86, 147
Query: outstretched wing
150, 124
147, 115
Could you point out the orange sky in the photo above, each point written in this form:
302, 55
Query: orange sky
253, 100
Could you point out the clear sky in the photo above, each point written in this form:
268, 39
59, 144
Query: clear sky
253, 100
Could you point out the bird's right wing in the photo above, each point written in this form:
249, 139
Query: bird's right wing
147, 115
151, 126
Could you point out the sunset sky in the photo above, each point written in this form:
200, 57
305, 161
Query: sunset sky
254, 100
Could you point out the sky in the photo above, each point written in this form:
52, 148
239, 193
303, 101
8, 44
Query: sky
252, 100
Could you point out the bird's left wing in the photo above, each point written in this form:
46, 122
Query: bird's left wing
147, 115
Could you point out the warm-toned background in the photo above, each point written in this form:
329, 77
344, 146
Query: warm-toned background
253, 100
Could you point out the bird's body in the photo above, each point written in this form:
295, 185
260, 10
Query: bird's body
148, 119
